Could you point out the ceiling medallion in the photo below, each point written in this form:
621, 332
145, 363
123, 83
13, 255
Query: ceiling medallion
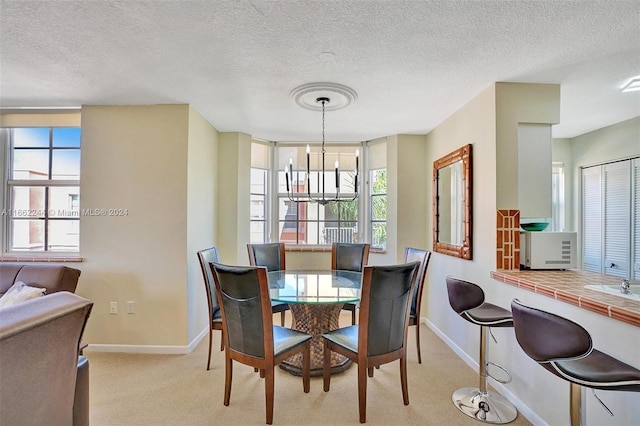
306, 96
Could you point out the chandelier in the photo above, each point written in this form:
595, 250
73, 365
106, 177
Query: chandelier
321, 197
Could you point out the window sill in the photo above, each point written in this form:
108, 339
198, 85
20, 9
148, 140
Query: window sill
23, 258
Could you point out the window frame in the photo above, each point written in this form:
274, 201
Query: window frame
44, 214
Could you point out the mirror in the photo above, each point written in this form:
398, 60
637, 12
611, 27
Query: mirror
452, 189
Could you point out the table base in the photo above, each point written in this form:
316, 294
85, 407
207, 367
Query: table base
315, 319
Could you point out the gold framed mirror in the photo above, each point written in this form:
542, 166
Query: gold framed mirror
452, 191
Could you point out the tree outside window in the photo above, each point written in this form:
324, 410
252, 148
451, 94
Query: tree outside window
378, 179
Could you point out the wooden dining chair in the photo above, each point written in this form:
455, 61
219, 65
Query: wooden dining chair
205, 257
380, 336
422, 256
272, 256
350, 257
249, 333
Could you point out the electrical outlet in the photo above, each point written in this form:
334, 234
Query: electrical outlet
131, 307
113, 308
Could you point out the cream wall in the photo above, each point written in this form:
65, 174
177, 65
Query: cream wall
202, 186
233, 210
135, 158
519, 103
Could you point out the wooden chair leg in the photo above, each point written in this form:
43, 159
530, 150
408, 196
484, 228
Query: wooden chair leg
306, 367
282, 318
362, 393
370, 371
228, 375
222, 340
403, 380
210, 343
418, 342
262, 373
326, 367
268, 391
353, 316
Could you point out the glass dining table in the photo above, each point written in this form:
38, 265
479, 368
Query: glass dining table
315, 298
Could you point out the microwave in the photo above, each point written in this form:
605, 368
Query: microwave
548, 250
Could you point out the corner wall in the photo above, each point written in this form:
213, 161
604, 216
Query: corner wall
135, 158
202, 189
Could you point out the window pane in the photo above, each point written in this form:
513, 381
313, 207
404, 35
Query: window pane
64, 235
256, 232
379, 207
64, 201
257, 207
27, 235
379, 235
30, 164
66, 137
28, 201
66, 164
31, 137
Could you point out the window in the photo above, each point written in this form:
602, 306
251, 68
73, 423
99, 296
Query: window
258, 230
557, 197
43, 189
378, 181
313, 223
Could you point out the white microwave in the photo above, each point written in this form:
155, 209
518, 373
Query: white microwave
548, 250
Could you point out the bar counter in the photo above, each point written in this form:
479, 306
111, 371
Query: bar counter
568, 286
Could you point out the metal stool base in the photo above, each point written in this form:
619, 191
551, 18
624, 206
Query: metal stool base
488, 407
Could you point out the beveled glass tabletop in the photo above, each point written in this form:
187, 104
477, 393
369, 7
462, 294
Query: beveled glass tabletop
314, 286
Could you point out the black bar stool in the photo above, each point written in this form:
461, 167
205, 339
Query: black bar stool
565, 349
467, 299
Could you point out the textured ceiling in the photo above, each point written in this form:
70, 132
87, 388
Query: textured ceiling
412, 63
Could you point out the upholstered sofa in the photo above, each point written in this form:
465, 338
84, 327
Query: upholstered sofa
44, 339
41, 376
51, 277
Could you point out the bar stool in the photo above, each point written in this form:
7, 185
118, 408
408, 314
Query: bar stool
565, 349
467, 299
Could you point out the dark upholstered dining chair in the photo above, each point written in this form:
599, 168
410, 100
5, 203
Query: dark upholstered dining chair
565, 349
205, 257
272, 257
249, 333
380, 336
350, 257
422, 256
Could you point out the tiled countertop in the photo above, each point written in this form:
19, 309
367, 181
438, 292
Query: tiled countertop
568, 286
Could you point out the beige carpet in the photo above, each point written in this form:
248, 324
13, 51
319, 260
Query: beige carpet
136, 389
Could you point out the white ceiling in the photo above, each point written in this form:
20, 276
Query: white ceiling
412, 63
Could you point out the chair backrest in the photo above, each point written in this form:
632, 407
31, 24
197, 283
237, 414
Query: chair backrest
463, 295
417, 255
349, 256
205, 257
243, 292
384, 307
544, 336
269, 255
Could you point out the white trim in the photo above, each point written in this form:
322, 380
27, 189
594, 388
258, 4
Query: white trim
149, 349
503, 390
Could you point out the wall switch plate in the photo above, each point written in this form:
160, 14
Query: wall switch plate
113, 308
131, 307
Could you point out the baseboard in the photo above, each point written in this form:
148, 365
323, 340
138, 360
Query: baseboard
502, 389
149, 349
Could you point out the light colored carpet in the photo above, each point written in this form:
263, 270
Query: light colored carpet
138, 389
